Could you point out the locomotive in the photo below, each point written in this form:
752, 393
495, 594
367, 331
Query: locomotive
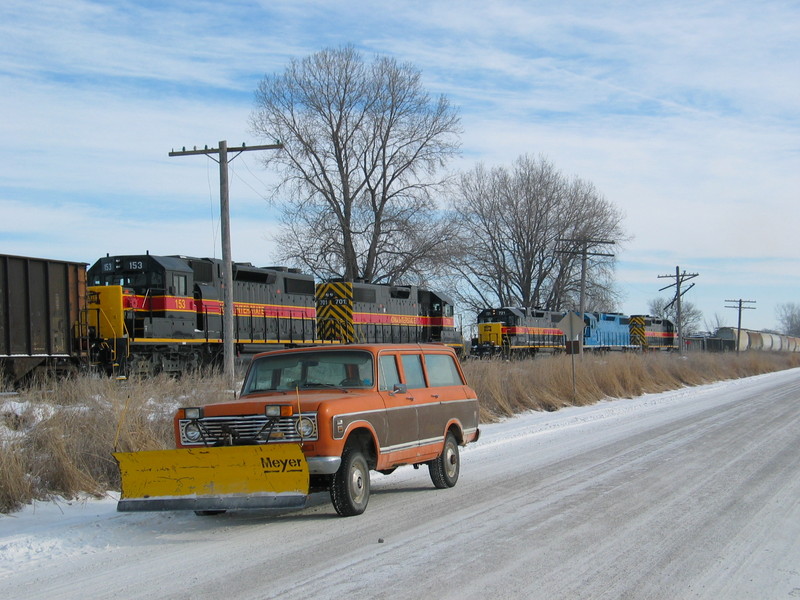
518, 331
147, 314
525, 332
166, 311
364, 312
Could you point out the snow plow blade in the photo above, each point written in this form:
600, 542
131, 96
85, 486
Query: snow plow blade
218, 478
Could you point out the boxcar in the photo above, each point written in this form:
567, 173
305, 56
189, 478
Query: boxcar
41, 302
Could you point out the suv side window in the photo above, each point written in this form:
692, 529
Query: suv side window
442, 371
412, 367
388, 374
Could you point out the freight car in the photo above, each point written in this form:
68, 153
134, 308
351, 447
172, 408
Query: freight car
733, 339
707, 343
523, 332
41, 301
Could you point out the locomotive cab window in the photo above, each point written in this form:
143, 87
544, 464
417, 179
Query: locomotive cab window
179, 287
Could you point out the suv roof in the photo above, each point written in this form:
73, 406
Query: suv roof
367, 347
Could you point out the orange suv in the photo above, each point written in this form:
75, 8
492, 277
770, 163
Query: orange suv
353, 408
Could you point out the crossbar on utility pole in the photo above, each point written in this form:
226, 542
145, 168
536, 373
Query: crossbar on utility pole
679, 279
739, 306
225, 226
584, 245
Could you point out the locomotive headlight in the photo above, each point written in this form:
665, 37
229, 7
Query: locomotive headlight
305, 427
192, 433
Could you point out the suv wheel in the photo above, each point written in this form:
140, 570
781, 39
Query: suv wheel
444, 469
350, 487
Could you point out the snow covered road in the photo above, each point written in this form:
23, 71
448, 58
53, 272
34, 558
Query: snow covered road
686, 494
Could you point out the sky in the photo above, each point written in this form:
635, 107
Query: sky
685, 115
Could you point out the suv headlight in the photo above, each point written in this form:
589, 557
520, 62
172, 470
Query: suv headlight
192, 433
305, 427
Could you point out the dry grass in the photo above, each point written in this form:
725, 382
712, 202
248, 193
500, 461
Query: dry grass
546, 383
57, 437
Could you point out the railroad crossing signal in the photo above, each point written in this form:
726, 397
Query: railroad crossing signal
572, 324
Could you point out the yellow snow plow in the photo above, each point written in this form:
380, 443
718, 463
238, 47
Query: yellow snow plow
213, 478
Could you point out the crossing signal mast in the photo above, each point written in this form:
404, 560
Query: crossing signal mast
680, 278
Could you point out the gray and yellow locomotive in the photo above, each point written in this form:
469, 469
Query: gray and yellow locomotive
164, 313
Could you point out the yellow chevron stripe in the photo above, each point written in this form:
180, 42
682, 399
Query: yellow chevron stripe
638, 337
335, 311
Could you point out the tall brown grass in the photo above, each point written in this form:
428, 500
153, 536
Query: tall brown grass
509, 387
57, 436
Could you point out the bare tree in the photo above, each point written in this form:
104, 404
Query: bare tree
511, 223
691, 316
716, 322
363, 146
789, 318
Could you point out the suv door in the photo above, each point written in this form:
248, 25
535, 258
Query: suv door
444, 400
399, 442
413, 373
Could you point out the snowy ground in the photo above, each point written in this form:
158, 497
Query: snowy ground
687, 494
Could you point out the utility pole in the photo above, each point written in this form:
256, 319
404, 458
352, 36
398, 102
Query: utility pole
739, 306
584, 245
679, 279
225, 226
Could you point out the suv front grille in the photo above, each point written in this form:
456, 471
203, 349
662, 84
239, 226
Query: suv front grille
244, 429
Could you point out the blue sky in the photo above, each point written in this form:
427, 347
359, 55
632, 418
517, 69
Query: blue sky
685, 115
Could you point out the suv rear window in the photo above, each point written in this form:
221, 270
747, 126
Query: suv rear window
442, 371
412, 366
388, 376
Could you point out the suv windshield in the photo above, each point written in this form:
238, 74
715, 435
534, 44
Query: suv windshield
310, 370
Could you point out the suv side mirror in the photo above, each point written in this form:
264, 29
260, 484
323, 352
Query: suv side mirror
399, 388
